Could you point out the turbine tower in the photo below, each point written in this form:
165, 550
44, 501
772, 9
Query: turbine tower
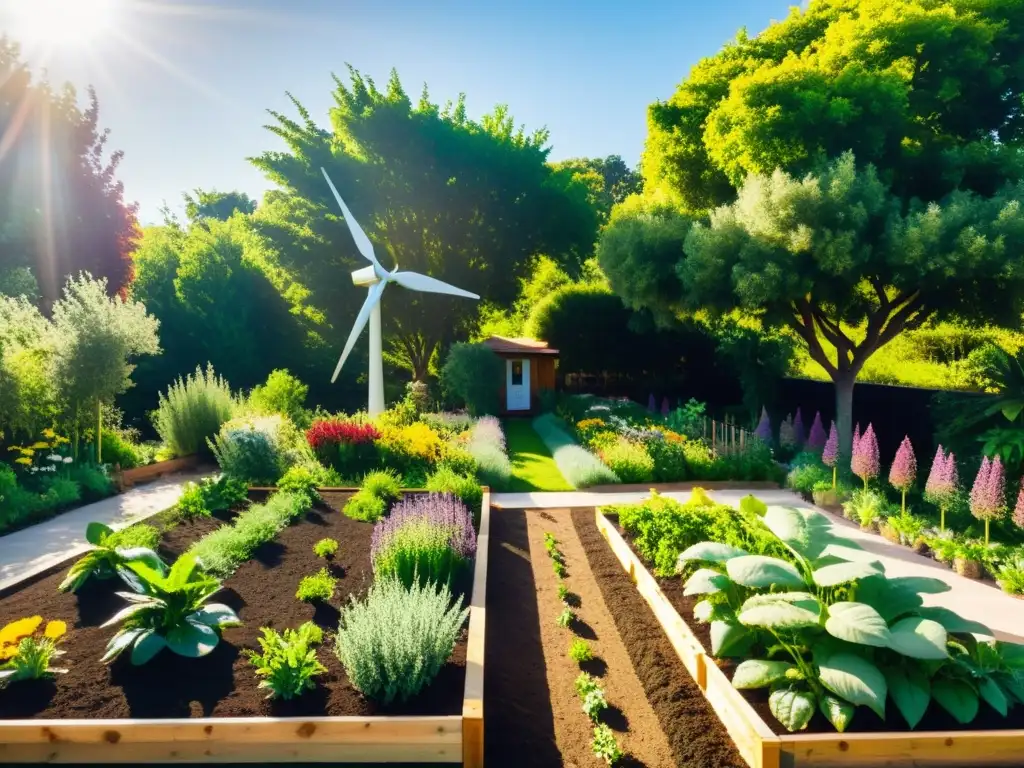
376, 278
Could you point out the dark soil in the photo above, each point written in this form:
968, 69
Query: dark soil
519, 725
865, 721
221, 684
696, 735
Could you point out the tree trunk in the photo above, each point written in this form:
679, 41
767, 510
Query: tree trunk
844, 382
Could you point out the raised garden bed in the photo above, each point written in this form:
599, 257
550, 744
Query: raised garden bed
210, 709
127, 478
763, 743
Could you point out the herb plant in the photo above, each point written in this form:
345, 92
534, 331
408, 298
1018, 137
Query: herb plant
316, 588
111, 551
605, 746
325, 548
26, 653
168, 611
566, 617
288, 663
563, 591
559, 568
580, 651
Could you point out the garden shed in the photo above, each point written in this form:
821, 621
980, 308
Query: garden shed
529, 369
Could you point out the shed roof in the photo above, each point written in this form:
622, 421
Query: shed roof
502, 345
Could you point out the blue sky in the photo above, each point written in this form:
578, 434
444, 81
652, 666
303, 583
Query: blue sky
184, 87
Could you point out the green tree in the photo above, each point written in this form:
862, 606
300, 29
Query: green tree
217, 205
28, 397
929, 91
834, 259
472, 374
95, 338
609, 180
468, 202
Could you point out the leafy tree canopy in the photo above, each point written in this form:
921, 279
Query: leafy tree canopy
468, 202
609, 180
217, 205
64, 214
929, 91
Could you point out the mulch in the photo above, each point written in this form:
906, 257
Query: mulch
696, 735
865, 721
223, 683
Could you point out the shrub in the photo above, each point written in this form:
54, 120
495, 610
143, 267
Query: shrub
366, 507
192, 502
62, 492
383, 484
411, 448
300, 479
629, 461
223, 550
669, 457
803, 477
566, 617
487, 446
347, 445
467, 489
580, 651
865, 507
212, 494
325, 548
119, 451
472, 374
605, 746
701, 461
316, 588
257, 449
449, 423
192, 412
459, 460
580, 467
393, 643
427, 538
283, 394
94, 481
288, 663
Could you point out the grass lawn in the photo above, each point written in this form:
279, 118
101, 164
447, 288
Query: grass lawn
533, 469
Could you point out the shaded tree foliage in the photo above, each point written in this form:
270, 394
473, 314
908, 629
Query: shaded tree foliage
609, 180
61, 206
217, 205
929, 91
468, 202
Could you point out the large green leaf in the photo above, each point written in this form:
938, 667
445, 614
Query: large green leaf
857, 623
839, 713
855, 679
919, 638
763, 572
956, 697
119, 642
730, 639
843, 573
803, 529
192, 639
709, 552
129, 611
993, 694
779, 615
953, 621
181, 571
702, 610
887, 596
925, 585
848, 551
1011, 654
95, 533
146, 647
759, 673
705, 581
752, 505
803, 599
793, 709
141, 554
910, 690
216, 615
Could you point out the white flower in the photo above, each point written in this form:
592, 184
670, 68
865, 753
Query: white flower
54, 457
33, 469
68, 459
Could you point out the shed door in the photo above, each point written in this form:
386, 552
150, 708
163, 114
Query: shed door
517, 384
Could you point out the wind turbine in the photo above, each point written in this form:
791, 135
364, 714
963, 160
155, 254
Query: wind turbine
376, 278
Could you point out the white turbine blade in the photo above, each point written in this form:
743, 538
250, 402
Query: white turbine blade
418, 282
373, 296
362, 241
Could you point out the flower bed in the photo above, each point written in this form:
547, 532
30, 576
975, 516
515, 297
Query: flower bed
870, 740
213, 708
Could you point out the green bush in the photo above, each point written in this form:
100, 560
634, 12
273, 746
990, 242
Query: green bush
192, 412
223, 550
119, 451
61, 493
94, 481
472, 374
316, 588
393, 643
865, 507
630, 462
259, 449
701, 462
467, 489
669, 459
325, 548
211, 494
803, 477
301, 479
366, 507
288, 663
283, 394
192, 502
459, 460
384, 484
138, 535
580, 651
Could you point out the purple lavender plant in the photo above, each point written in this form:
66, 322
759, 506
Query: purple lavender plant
865, 463
943, 483
830, 453
764, 427
903, 471
816, 439
799, 433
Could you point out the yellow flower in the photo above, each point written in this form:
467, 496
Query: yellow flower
49, 433
39, 445
58, 440
55, 629
28, 452
14, 448
8, 652
23, 460
16, 630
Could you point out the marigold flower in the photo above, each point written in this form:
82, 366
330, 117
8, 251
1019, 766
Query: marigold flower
23, 460
13, 632
55, 629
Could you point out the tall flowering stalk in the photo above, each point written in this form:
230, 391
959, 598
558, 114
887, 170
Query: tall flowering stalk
830, 453
903, 471
817, 438
1018, 511
856, 436
650, 403
943, 483
865, 461
988, 495
764, 427
665, 406
799, 433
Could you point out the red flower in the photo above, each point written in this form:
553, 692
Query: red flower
337, 432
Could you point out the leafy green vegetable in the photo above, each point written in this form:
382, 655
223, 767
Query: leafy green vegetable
110, 551
288, 663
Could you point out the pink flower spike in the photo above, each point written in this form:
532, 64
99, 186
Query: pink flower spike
830, 455
798, 428
904, 467
1018, 511
865, 462
816, 439
764, 427
979, 491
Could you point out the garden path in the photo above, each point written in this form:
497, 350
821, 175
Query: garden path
976, 600
35, 549
533, 469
